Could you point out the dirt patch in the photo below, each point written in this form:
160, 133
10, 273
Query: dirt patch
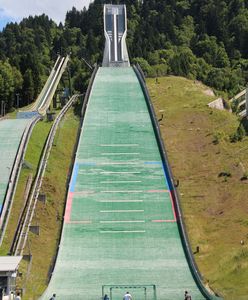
209, 92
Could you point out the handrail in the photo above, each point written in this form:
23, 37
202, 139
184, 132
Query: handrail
21, 216
182, 230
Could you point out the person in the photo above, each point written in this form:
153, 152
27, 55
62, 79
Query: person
11, 295
18, 297
187, 296
127, 296
106, 297
53, 297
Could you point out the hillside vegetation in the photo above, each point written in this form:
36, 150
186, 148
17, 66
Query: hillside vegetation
212, 174
198, 39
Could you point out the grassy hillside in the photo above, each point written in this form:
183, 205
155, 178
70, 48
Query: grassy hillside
49, 216
210, 170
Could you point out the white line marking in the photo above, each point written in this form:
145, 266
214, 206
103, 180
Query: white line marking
122, 211
115, 37
121, 191
123, 231
80, 222
123, 181
115, 154
119, 145
110, 172
109, 222
119, 163
120, 201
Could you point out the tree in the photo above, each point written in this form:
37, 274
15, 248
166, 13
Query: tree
183, 62
28, 87
6, 84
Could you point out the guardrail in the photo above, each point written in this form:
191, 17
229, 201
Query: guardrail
24, 223
88, 92
182, 228
14, 176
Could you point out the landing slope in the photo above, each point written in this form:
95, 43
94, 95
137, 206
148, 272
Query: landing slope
119, 226
11, 132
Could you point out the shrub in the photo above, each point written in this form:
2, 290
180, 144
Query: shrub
238, 135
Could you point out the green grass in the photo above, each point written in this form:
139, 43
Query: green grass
49, 216
215, 208
32, 157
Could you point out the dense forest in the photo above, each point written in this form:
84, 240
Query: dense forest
199, 39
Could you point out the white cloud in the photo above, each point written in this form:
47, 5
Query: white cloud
55, 9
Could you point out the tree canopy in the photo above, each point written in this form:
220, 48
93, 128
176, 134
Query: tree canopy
199, 39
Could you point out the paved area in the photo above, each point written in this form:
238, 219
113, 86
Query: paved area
11, 132
120, 230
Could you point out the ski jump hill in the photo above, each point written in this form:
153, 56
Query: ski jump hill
14, 136
122, 228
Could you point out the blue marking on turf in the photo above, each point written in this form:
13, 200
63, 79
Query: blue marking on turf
74, 178
165, 176
87, 164
153, 163
1, 208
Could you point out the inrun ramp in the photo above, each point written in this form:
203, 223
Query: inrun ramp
120, 227
11, 132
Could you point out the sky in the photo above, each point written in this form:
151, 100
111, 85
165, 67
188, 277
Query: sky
16, 10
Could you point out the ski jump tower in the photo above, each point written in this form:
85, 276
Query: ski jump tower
115, 31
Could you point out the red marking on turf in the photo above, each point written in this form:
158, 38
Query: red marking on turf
68, 208
158, 191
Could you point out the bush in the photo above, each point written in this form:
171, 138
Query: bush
238, 135
234, 105
225, 174
143, 64
245, 176
218, 136
183, 63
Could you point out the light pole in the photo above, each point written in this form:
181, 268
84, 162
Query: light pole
2, 112
17, 100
